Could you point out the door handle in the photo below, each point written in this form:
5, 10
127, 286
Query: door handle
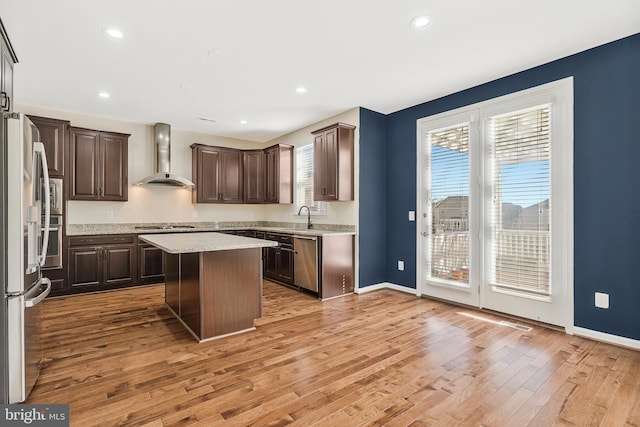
38, 147
6, 102
32, 302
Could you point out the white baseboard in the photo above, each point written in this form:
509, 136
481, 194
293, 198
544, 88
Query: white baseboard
608, 338
386, 285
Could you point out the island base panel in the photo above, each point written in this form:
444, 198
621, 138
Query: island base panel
216, 293
231, 297
172, 282
190, 294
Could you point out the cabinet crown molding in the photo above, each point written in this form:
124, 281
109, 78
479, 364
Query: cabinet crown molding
335, 125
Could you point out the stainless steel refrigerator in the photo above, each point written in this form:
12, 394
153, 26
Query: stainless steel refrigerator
24, 234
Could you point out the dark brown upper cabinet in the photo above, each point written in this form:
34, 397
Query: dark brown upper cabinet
7, 59
227, 175
53, 134
98, 165
333, 162
254, 176
217, 173
279, 174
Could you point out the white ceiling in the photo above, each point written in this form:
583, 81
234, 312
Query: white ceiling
242, 59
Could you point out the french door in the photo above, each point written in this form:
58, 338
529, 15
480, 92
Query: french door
495, 198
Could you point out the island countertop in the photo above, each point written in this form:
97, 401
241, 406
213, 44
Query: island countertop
180, 243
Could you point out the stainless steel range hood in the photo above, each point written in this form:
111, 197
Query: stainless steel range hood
163, 175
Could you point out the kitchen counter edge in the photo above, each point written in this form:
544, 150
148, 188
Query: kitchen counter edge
104, 229
180, 243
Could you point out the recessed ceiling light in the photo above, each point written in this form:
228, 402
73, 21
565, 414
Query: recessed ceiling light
115, 33
104, 95
301, 89
206, 119
421, 22
243, 122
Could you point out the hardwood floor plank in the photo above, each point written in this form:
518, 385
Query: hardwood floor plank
626, 399
383, 358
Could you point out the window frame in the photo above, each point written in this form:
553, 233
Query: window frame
316, 207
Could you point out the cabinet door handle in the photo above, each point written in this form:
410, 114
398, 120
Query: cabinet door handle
5, 101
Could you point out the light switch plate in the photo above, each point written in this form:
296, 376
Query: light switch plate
412, 215
602, 300
401, 265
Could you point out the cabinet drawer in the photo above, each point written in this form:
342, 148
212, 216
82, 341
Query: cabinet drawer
101, 240
283, 239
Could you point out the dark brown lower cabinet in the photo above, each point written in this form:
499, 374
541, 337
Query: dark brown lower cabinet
335, 268
115, 261
151, 264
101, 262
278, 261
119, 265
85, 267
58, 277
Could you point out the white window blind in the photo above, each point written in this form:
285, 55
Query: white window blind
449, 174
304, 181
519, 212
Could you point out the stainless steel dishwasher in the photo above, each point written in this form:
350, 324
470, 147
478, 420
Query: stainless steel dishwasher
305, 262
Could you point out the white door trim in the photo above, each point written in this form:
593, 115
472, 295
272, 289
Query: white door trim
565, 252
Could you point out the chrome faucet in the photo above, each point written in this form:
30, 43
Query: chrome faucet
309, 225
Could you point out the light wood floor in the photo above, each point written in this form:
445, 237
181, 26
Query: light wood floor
382, 358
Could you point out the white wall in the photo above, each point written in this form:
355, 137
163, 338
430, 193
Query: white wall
169, 204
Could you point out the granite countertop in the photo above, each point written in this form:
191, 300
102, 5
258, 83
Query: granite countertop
300, 231
179, 243
197, 227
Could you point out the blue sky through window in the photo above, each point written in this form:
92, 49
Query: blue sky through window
450, 177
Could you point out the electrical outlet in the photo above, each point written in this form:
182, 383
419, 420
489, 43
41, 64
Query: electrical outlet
412, 215
602, 300
108, 214
401, 265
194, 214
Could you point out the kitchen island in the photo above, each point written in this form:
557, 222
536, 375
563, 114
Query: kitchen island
213, 281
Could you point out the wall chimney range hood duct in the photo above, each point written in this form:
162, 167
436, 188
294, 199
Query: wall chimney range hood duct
162, 155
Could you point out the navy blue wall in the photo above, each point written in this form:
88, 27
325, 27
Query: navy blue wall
373, 198
606, 179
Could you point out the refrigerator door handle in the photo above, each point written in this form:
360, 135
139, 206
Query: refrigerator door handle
32, 302
38, 147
